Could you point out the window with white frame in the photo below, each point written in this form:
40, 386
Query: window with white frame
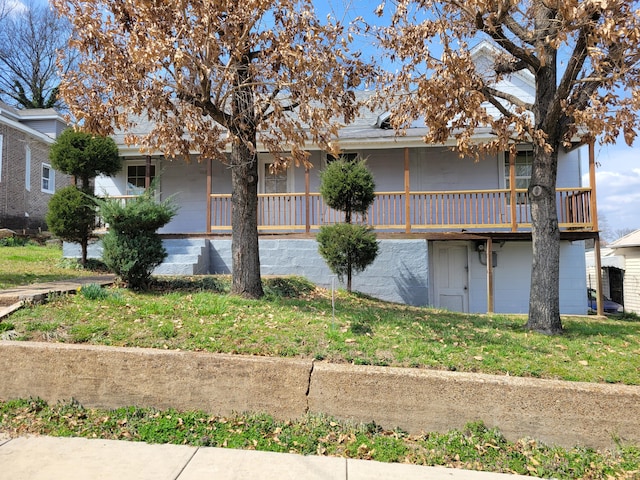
27, 167
523, 165
137, 178
48, 178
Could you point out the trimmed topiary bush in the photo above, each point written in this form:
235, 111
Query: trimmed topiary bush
347, 248
72, 217
347, 186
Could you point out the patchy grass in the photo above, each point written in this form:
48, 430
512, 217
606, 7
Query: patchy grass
297, 320
475, 447
30, 263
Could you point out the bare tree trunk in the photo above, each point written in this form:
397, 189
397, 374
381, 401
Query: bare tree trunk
246, 279
544, 299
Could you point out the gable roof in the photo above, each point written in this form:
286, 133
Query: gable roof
630, 240
14, 118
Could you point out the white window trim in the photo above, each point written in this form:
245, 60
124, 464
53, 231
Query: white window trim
27, 167
51, 178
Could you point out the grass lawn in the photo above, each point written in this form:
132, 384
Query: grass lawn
31, 263
297, 320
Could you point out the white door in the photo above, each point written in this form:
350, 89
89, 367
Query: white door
451, 276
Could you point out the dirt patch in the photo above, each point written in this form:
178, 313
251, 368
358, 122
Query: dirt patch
8, 301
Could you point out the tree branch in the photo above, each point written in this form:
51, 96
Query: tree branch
492, 95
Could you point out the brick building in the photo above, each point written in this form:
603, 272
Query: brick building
27, 180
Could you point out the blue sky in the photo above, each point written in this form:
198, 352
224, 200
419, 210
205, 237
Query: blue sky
618, 166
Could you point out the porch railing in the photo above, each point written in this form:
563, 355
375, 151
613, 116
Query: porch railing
498, 210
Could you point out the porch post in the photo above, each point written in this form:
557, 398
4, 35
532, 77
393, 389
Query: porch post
595, 228
209, 185
598, 265
512, 188
592, 185
489, 251
307, 209
407, 192
147, 172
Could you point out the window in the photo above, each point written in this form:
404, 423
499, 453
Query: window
523, 161
136, 178
48, 179
27, 168
275, 181
1, 157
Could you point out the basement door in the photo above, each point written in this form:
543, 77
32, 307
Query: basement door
451, 276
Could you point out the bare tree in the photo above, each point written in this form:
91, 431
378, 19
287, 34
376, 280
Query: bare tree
584, 56
30, 40
6, 7
215, 77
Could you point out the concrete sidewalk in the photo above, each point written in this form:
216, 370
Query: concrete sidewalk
50, 458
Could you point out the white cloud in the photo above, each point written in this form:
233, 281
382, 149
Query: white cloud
618, 185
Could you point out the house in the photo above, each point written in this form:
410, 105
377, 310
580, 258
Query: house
621, 268
27, 180
453, 233
612, 268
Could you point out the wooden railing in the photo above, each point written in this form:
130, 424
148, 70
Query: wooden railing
497, 210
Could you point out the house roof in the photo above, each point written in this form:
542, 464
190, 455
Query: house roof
630, 240
12, 118
370, 128
608, 258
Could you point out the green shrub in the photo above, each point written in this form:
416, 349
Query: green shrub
72, 216
133, 257
15, 242
93, 291
347, 248
131, 247
347, 186
85, 156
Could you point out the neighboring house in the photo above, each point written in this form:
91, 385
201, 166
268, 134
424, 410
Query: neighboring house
621, 270
437, 216
612, 268
27, 180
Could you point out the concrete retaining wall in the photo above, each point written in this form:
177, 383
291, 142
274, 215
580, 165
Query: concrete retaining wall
106, 377
416, 400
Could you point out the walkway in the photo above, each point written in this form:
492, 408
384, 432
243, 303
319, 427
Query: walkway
13, 298
47, 458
